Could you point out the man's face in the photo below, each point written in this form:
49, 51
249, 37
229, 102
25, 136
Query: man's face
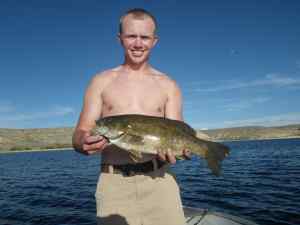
138, 39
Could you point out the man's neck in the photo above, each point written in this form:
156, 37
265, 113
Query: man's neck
136, 68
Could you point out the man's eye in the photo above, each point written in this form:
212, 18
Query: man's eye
145, 37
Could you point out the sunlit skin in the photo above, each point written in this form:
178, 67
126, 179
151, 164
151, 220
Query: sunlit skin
137, 39
122, 90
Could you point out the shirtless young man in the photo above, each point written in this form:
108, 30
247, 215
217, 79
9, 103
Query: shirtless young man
132, 88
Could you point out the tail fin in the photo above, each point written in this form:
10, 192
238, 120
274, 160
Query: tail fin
216, 152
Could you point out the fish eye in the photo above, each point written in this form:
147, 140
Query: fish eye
103, 130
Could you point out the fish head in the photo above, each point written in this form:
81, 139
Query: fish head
109, 128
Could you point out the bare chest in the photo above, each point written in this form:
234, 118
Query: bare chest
134, 96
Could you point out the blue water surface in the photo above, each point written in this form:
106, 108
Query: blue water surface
260, 182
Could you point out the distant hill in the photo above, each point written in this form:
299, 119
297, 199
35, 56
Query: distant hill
254, 132
49, 138
26, 139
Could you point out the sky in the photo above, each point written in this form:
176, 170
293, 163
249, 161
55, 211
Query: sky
236, 62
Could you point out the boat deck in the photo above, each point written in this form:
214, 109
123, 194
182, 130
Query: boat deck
196, 216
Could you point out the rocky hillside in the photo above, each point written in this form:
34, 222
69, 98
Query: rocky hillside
49, 138
25, 139
251, 133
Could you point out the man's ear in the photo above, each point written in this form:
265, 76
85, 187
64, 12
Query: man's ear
119, 38
155, 40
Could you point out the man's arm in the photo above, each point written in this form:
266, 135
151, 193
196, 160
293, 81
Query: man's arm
83, 142
173, 110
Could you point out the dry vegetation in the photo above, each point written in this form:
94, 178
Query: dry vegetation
255, 133
26, 139
50, 138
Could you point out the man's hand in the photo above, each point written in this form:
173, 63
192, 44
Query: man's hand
92, 144
170, 157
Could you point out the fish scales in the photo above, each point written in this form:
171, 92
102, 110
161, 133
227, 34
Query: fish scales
139, 134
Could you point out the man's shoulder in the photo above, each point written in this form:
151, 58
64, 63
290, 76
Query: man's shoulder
105, 75
164, 79
102, 79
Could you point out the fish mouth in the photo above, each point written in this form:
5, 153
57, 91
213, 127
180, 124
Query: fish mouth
102, 130
115, 138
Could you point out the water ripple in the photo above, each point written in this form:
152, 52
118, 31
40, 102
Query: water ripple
260, 182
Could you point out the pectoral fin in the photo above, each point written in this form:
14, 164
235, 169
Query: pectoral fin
132, 142
135, 155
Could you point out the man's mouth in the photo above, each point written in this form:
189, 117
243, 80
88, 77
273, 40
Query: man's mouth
137, 53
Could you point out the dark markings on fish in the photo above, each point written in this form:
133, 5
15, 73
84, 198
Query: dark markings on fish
147, 134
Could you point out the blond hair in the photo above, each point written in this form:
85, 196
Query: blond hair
139, 14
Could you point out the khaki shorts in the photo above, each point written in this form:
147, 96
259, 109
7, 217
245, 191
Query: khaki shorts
152, 199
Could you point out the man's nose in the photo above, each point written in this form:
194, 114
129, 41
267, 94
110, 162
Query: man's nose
138, 42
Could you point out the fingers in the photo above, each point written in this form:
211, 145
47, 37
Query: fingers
168, 156
95, 145
92, 144
93, 139
161, 156
187, 154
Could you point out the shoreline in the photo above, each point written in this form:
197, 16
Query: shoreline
37, 150
257, 139
218, 140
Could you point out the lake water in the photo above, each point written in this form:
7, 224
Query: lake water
260, 182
